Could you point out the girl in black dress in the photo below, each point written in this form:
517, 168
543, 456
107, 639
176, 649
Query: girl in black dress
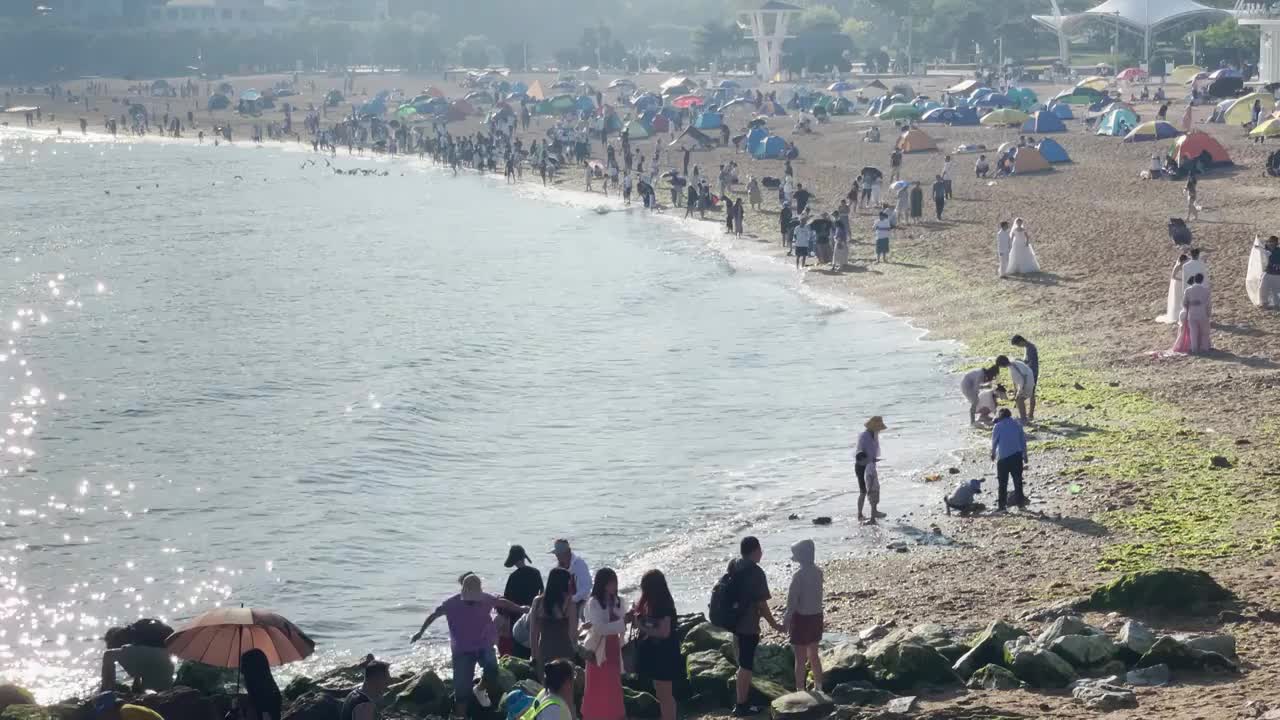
657, 652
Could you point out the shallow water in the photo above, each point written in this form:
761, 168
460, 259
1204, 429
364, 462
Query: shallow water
329, 396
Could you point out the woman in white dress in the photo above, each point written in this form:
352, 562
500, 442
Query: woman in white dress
1022, 259
1173, 305
1262, 281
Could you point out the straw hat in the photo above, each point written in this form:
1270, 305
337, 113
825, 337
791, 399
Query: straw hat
876, 424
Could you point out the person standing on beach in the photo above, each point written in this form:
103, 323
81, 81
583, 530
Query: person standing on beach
917, 202
362, 703
946, 176
657, 648
751, 589
472, 636
738, 217
803, 617
971, 384
1032, 360
1009, 452
1195, 300
865, 459
801, 198
1024, 385
802, 238
602, 699
567, 559
784, 224
551, 618
895, 165
939, 196
753, 193
903, 203
882, 229
1192, 192
1004, 245
523, 585
692, 201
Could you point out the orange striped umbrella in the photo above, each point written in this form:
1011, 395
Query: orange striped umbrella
219, 637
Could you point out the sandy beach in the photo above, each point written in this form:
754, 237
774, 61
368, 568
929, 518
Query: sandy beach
1137, 461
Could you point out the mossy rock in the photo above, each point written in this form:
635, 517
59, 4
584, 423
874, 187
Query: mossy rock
842, 664
1176, 590
15, 695
709, 673
298, 687
776, 663
802, 705
763, 691
426, 694
208, 679
521, 668
906, 665
1036, 666
988, 648
704, 636
993, 677
25, 711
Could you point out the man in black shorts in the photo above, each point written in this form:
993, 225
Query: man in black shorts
752, 590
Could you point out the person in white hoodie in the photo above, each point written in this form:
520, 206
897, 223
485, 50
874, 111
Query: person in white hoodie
803, 618
606, 620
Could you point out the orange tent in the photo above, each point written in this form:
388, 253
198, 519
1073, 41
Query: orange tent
916, 140
535, 91
1196, 144
1029, 160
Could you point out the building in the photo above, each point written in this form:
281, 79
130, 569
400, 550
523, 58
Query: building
767, 24
1267, 20
246, 16
373, 11
85, 12
1141, 17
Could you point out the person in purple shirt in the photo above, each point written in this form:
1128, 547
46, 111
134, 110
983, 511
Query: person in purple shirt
472, 636
1009, 451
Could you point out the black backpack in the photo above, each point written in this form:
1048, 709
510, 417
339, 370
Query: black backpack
725, 609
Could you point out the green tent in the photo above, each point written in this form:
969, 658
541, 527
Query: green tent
636, 130
900, 111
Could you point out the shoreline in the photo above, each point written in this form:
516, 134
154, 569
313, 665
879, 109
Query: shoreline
1138, 438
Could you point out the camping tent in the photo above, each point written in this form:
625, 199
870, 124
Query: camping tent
995, 100
675, 81
965, 116
218, 101
916, 140
1094, 82
1267, 128
1043, 121
696, 138
1152, 130
755, 136
1118, 122
636, 130
769, 148
708, 121
1183, 73
535, 91
1062, 110
1225, 86
1197, 145
1240, 111
939, 115
1029, 160
1007, 116
1052, 151
899, 111
964, 87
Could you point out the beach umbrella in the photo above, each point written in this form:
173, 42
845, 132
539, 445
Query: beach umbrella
688, 101
841, 87
900, 111
1267, 128
1131, 74
1225, 73
1006, 116
1152, 130
219, 637
250, 95
1095, 82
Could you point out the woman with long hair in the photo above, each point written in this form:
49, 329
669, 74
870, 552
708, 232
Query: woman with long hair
658, 653
550, 620
607, 622
262, 701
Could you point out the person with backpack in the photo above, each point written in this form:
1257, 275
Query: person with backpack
556, 701
739, 602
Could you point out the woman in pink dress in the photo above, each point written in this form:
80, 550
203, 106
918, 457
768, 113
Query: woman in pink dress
602, 699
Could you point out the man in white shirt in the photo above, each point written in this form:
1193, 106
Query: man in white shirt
577, 567
1024, 384
1004, 245
802, 239
882, 227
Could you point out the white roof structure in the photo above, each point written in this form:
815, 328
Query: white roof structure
1139, 16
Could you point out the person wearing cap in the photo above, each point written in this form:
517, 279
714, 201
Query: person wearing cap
866, 456
107, 706
523, 585
961, 499
472, 636
569, 560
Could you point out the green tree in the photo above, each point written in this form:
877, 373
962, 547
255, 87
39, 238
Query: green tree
860, 32
1229, 35
819, 18
712, 40
473, 51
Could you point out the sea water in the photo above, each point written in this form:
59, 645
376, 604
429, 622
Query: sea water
235, 376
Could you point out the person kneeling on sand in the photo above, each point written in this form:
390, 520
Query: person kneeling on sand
961, 498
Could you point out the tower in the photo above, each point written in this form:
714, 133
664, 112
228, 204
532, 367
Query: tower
768, 27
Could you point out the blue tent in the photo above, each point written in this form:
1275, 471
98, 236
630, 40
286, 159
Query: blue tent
585, 103
1118, 122
376, 107
755, 136
1043, 122
708, 121
939, 115
770, 148
996, 100
1062, 110
519, 87
966, 116
1053, 151
980, 93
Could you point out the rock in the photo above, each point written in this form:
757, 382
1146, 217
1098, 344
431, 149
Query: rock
1067, 606
1231, 616
25, 711
938, 638
505, 680
775, 663
993, 677
843, 664
1173, 590
907, 665
1168, 651
1036, 666
1135, 637
988, 648
902, 705
1066, 625
875, 632
953, 471
860, 693
805, 705
205, 678
70, 711
314, 706
11, 694
342, 678
1104, 697
1078, 386
186, 703
793, 516
763, 692
710, 673
425, 694
297, 687
824, 520
1084, 651
1223, 644
1116, 667
703, 637
521, 668
1219, 462
1149, 676
641, 704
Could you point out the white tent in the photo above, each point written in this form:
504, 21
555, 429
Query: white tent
1142, 17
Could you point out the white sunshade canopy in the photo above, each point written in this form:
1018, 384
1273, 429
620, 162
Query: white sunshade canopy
1137, 15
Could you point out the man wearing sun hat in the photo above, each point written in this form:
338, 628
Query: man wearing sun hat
865, 457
